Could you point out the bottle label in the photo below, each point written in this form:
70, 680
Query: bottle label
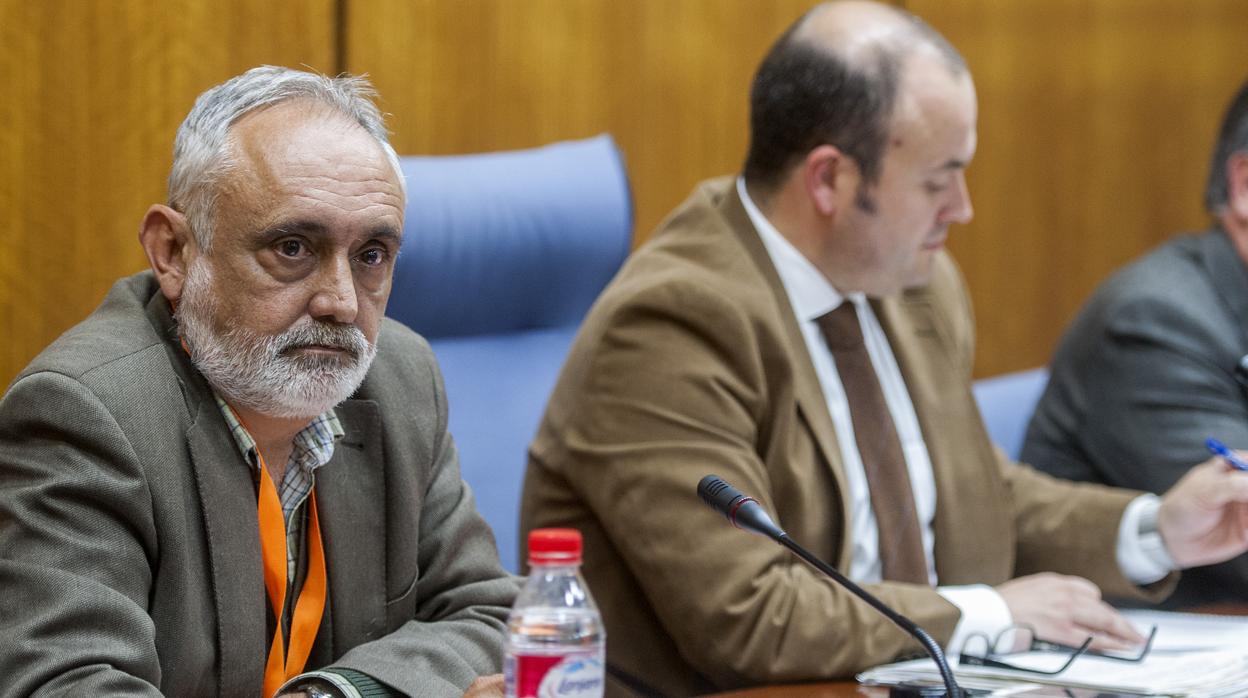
576, 675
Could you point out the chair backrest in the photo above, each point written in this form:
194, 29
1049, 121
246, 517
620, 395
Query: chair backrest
1007, 403
503, 253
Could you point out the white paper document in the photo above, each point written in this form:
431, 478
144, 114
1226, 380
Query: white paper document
1181, 632
1193, 656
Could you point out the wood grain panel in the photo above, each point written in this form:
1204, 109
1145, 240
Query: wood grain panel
1097, 118
668, 78
94, 92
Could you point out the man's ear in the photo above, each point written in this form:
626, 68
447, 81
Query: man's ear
1237, 184
830, 177
169, 244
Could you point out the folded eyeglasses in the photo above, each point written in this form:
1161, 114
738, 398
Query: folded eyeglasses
1024, 636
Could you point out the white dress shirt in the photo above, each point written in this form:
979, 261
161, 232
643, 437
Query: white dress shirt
811, 295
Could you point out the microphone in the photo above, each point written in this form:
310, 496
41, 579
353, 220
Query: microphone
745, 512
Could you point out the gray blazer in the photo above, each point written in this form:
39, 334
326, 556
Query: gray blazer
1145, 374
129, 555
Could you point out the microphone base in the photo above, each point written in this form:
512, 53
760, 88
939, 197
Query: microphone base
927, 690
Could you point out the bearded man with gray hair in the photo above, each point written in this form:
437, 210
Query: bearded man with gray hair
235, 477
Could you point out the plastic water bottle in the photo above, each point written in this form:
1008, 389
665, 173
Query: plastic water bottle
555, 638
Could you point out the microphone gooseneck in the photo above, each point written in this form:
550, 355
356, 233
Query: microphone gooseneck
746, 513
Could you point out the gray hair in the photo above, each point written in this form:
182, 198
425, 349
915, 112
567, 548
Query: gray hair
201, 150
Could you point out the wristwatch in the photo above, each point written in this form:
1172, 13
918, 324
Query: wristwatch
317, 688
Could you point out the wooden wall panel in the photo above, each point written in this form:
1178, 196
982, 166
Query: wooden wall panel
1097, 118
94, 92
668, 78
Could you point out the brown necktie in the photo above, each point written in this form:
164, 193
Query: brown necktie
892, 498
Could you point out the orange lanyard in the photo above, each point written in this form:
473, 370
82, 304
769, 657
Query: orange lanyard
311, 602
283, 665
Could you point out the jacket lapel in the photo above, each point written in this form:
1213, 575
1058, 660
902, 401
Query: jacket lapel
969, 496
351, 499
228, 501
808, 392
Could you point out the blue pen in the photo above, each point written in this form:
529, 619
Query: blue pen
1218, 448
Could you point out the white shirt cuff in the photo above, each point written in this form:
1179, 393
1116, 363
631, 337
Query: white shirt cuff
983, 611
1141, 554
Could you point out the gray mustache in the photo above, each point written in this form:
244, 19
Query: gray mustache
346, 337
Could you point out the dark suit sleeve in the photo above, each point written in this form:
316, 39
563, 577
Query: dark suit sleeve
1156, 377
76, 540
463, 593
1158, 383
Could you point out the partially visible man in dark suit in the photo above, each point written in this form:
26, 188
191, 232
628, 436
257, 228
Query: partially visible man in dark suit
234, 478
801, 332
1155, 362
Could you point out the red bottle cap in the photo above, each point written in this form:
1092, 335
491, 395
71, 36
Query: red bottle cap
555, 546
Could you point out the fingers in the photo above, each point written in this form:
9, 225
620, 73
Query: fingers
1091, 616
1107, 627
1068, 610
1217, 480
1200, 518
486, 687
1231, 481
1085, 615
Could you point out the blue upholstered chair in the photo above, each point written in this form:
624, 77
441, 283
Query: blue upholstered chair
1007, 403
503, 253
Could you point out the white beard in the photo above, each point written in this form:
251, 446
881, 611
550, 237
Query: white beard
255, 372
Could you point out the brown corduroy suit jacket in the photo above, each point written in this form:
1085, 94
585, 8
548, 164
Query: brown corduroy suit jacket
692, 363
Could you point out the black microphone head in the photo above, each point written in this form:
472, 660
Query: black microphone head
717, 494
744, 512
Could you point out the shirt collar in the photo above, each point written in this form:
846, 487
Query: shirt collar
314, 444
809, 291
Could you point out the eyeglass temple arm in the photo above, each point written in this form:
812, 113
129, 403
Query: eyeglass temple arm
997, 664
1049, 645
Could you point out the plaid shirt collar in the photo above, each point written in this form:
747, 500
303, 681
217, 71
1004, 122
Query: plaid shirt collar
313, 447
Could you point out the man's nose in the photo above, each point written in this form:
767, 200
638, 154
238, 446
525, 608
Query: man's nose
960, 211
334, 298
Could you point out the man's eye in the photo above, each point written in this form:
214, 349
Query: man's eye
935, 187
290, 248
373, 257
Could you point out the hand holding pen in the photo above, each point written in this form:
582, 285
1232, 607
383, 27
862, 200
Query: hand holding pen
1203, 518
1218, 448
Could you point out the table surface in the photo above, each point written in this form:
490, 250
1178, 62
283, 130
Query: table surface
839, 689
851, 689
